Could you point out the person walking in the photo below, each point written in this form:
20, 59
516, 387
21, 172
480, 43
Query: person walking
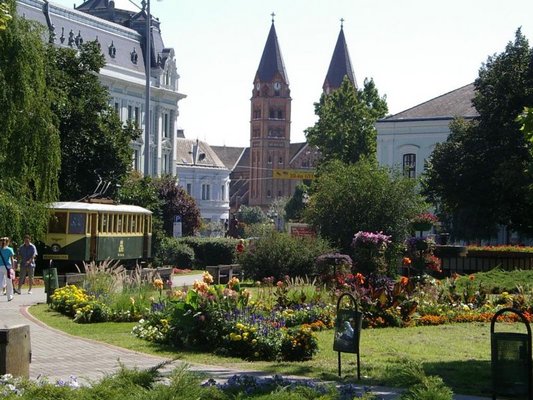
27, 253
6, 271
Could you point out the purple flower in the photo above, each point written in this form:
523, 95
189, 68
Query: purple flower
377, 239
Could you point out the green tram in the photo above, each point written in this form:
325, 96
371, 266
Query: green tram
79, 231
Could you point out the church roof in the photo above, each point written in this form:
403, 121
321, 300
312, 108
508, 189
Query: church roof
229, 156
340, 65
457, 103
271, 61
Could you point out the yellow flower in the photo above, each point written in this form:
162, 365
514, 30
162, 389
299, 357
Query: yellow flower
207, 278
158, 284
233, 282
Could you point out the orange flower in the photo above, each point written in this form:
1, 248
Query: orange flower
471, 277
359, 279
404, 281
406, 261
158, 284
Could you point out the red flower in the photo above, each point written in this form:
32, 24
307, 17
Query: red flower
404, 281
406, 261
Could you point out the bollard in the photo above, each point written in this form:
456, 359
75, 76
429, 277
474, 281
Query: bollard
15, 351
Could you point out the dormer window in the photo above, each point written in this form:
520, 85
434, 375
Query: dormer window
134, 56
112, 50
71, 39
78, 40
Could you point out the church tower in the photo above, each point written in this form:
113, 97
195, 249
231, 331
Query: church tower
340, 65
270, 123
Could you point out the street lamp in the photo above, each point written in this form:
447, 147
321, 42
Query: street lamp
148, 67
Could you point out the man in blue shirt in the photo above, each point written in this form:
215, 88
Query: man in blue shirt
27, 253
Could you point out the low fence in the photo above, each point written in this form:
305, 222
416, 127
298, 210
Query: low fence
482, 261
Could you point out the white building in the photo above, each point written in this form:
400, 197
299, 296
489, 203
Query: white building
121, 34
405, 140
205, 177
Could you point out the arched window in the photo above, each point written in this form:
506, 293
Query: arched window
409, 165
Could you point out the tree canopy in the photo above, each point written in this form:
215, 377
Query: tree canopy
479, 176
176, 201
29, 140
94, 143
347, 198
5, 16
345, 128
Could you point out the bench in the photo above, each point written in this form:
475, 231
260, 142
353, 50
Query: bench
223, 273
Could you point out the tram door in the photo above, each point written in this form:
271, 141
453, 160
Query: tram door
94, 230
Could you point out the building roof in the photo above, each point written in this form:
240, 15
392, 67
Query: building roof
69, 27
295, 148
271, 61
340, 65
197, 153
229, 156
457, 103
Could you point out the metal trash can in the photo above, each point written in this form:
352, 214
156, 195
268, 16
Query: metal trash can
51, 282
510, 359
15, 351
348, 326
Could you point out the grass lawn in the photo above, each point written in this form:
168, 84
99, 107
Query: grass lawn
459, 353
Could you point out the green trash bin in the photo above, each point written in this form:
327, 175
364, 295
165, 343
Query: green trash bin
511, 359
348, 325
50, 282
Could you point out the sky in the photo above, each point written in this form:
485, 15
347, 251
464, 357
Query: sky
414, 50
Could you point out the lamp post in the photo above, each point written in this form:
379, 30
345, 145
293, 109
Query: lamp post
148, 67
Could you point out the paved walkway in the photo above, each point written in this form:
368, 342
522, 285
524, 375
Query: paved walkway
58, 355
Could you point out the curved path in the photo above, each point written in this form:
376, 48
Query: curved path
58, 355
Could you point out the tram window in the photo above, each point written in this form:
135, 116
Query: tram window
105, 221
58, 223
76, 223
127, 219
134, 223
118, 219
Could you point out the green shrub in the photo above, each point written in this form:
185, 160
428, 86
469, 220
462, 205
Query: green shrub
278, 254
431, 388
174, 252
211, 251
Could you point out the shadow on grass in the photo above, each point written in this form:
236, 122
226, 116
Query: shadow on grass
465, 377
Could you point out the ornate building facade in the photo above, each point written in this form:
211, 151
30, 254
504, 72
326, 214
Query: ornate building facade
122, 37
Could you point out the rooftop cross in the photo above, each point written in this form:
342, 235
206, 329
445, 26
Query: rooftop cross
342, 22
273, 15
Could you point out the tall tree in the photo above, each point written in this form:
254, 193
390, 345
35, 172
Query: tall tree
94, 143
29, 139
347, 198
479, 175
176, 201
345, 128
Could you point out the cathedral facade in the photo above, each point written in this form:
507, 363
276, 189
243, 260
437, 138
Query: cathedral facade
272, 166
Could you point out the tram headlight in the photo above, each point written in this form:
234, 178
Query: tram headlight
55, 248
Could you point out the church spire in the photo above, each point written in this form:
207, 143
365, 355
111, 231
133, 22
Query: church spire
271, 61
340, 65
